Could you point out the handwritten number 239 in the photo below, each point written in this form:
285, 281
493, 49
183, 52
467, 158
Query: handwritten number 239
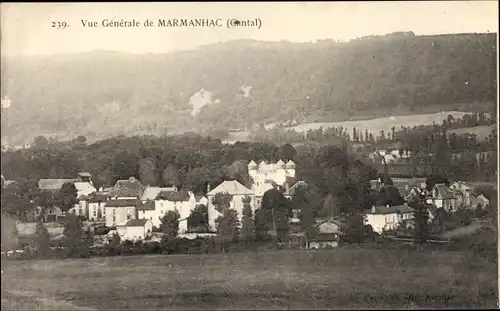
59, 25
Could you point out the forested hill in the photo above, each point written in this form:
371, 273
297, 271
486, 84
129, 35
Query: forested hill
101, 93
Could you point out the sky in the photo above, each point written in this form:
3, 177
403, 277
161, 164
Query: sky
26, 28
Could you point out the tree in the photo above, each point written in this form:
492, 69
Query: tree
170, 176
275, 207
238, 170
42, 240
147, 171
331, 206
73, 233
247, 224
355, 229
198, 219
17, 199
227, 224
66, 198
45, 200
421, 215
170, 225
287, 152
114, 244
40, 142
9, 233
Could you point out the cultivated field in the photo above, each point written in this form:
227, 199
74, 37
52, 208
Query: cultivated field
333, 279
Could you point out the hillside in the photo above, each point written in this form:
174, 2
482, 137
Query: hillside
102, 93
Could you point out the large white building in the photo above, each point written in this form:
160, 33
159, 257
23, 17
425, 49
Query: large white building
274, 172
237, 191
267, 176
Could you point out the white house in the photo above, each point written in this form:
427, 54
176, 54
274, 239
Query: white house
265, 173
119, 211
83, 185
96, 206
464, 192
183, 202
135, 230
238, 192
387, 218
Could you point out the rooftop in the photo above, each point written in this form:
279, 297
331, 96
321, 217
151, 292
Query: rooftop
136, 223
150, 193
123, 203
174, 196
127, 188
382, 210
54, 184
232, 187
147, 206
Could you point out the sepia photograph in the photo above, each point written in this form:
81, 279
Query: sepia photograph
249, 155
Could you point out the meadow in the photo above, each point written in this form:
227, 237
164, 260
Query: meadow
347, 277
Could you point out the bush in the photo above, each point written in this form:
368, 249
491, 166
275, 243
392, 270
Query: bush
101, 230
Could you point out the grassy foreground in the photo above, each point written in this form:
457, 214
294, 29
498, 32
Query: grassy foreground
333, 279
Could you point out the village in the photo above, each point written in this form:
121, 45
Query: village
135, 212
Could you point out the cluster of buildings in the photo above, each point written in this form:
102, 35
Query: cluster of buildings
441, 197
135, 210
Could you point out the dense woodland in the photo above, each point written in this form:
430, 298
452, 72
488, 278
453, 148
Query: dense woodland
325, 81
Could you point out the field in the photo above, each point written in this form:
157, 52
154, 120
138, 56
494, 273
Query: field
374, 125
330, 279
